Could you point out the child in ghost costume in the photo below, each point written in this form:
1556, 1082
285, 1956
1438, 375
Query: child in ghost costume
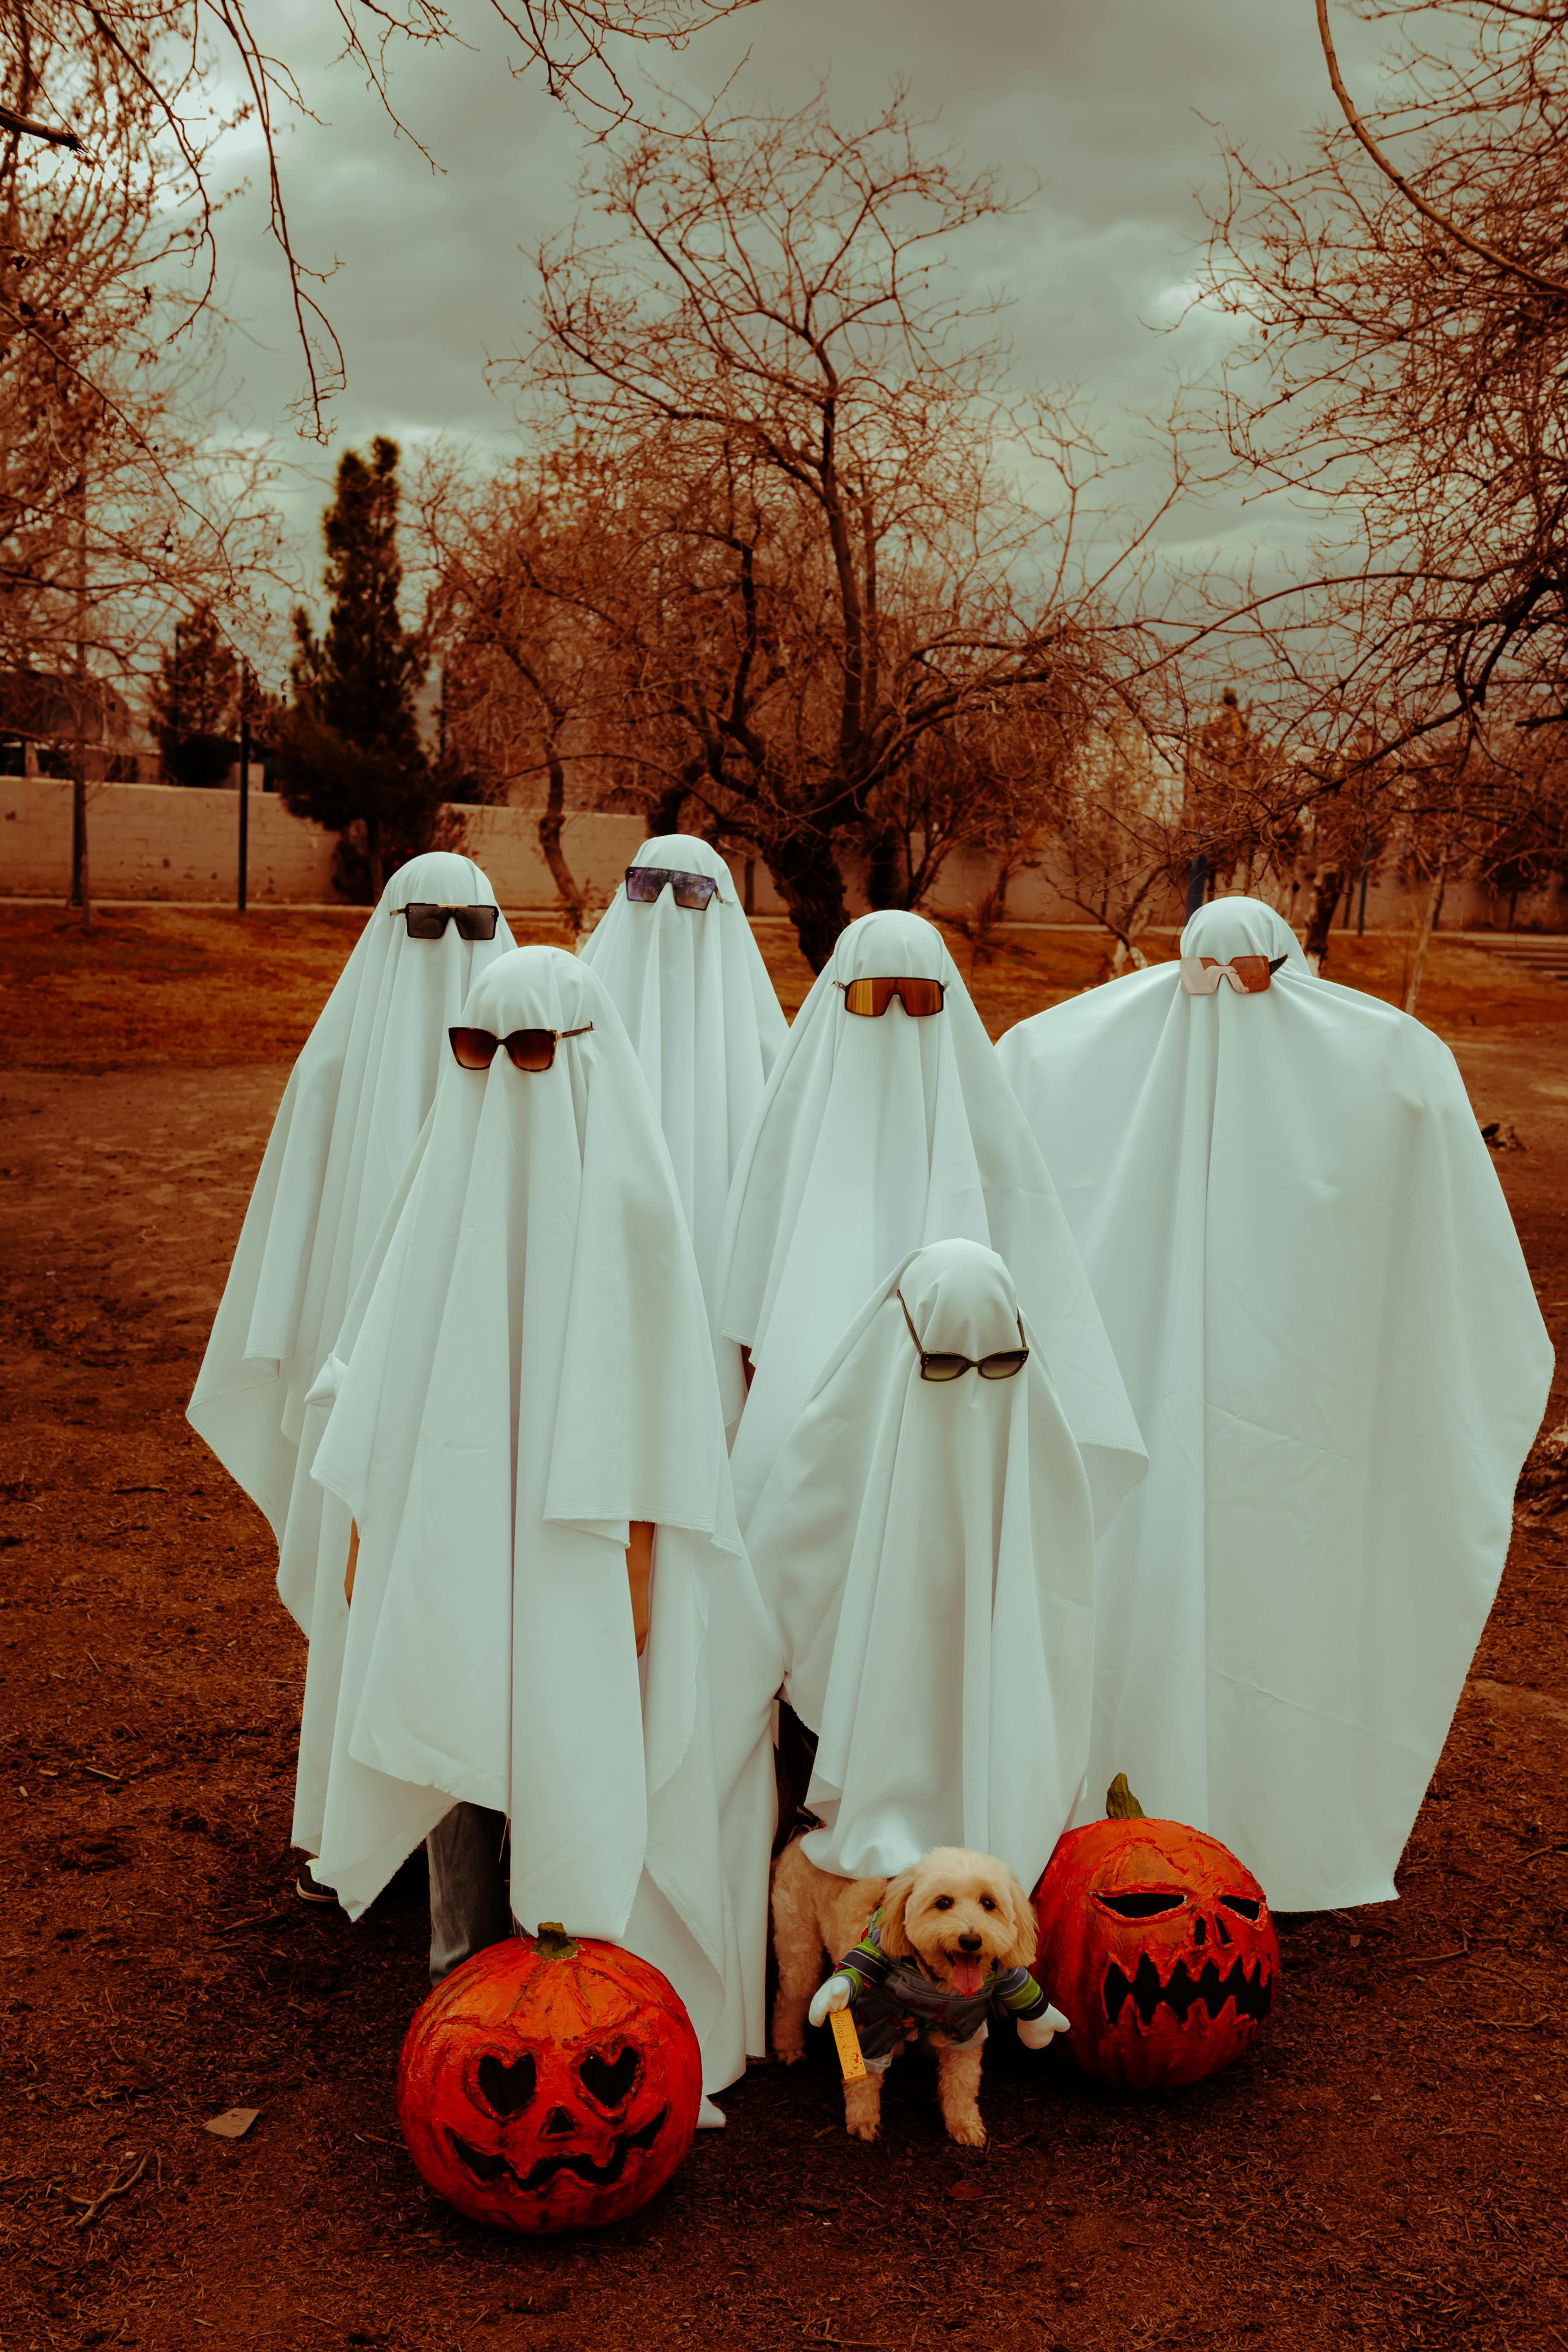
350, 1117
879, 1133
695, 995
525, 1381
1315, 1291
926, 1547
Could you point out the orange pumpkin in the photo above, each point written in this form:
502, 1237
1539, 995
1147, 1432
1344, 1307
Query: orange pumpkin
550, 2084
1157, 1945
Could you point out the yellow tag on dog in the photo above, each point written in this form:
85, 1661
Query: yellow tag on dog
851, 2063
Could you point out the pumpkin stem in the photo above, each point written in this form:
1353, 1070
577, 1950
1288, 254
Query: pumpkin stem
552, 1942
1121, 1804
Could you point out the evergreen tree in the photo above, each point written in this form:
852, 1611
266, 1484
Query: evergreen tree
349, 751
195, 703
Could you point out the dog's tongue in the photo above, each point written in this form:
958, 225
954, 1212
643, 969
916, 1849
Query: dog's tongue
968, 1973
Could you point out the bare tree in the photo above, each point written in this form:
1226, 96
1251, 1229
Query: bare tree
1406, 310
811, 551
163, 51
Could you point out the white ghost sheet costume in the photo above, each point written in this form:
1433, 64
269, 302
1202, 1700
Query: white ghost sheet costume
350, 1117
695, 995
927, 1548
876, 1136
1317, 1296
528, 1369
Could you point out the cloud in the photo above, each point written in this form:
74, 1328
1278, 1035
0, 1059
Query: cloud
1108, 105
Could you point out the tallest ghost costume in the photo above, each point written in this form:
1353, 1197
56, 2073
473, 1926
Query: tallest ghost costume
689, 982
1316, 1294
876, 1135
528, 1373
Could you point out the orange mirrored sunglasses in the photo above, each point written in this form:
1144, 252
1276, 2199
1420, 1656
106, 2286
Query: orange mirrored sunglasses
1249, 975
872, 998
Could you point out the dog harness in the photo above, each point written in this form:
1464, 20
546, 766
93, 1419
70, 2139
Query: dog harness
895, 1999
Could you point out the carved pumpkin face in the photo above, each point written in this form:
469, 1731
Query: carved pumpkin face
1157, 1945
550, 2085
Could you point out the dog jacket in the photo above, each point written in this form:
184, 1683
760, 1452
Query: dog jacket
893, 1999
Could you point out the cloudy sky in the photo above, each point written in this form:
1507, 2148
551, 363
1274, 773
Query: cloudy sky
1115, 107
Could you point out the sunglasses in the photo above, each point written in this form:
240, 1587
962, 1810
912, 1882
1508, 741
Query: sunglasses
1002, 1366
1249, 975
526, 1049
872, 997
644, 883
428, 919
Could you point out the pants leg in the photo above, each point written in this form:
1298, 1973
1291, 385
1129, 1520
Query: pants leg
469, 1905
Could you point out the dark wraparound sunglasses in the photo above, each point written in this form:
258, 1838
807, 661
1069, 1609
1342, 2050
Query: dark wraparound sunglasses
644, 883
920, 998
428, 919
526, 1049
1002, 1366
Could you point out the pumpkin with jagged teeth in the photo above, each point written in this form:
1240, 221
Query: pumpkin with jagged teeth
1158, 1944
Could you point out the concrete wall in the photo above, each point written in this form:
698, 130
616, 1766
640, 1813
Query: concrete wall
156, 840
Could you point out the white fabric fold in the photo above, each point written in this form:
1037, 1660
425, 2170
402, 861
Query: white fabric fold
703, 1019
350, 1117
927, 1548
528, 1370
875, 1136
1330, 1340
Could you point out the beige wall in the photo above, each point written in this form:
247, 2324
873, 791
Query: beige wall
155, 841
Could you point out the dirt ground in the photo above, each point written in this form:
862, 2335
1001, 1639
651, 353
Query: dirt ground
1384, 2170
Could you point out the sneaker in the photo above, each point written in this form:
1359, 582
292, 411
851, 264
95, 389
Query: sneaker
309, 1889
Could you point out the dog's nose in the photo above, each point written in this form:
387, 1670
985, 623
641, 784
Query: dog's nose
968, 1943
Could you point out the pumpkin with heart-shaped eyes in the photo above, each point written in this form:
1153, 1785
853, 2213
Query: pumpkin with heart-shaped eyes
550, 2083
1158, 1944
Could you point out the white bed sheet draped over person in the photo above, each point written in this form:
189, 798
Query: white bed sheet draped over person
1317, 1296
876, 1136
530, 1371
350, 1117
928, 1551
694, 992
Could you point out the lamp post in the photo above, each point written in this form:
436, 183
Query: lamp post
243, 780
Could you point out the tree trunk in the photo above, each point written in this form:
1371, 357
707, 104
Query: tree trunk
664, 815
551, 819
809, 881
1325, 898
884, 883
373, 858
1422, 937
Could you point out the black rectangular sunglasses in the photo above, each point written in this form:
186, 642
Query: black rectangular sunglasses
429, 917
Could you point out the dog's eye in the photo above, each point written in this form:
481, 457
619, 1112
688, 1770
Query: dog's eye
942, 1903
987, 1903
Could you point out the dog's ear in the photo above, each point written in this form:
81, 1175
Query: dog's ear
891, 1931
1020, 1952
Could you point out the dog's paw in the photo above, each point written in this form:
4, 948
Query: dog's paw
787, 2055
969, 2132
866, 2128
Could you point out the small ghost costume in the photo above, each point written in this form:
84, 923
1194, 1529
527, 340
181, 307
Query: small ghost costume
876, 1136
707, 1027
350, 1117
527, 1369
1315, 1290
927, 1548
